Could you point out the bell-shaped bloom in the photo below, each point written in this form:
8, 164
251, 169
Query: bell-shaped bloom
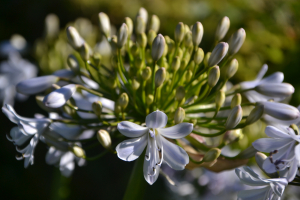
28, 129
284, 148
267, 88
159, 149
64, 159
273, 189
59, 97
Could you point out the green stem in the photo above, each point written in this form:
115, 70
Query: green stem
153, 78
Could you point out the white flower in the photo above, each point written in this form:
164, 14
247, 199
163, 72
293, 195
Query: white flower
273, 190
59, 97
158, 149
27, 129
283, 148
268, 88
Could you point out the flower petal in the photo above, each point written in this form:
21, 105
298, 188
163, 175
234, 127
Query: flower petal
292, 170
156, 119
274, 132
247, 179
174, 155
131, 149
297, 152
59, 97
132, 130
67, 165
269, 167
53, 156
270, 144
178, 131
67, 131
257, 194
273, 78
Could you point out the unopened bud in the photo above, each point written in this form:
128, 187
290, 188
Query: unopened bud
188, 42
220, 99
211, 155
73, 64
142, 40
140, 25
149, 99
104, 138
97, 58
158, 47
104, 24
122, 36
280, 110
74, 39
198, 56
84, 52
146, 73
179, 32
123, 100
180, 93
188, 75
218, 54
275, 89
295, 128
118, 108
171, 46
134, 50
236, 100
234, 117
213, 76
97, 107
255, 114
143, 14
232, 136
179, 115
135, 84
236, 41
138, 62
197, 33
222, 28
231, 69
151, 36
154, 23
160, 76
129, 23
176, 63
78, 151
206, 58
112, 83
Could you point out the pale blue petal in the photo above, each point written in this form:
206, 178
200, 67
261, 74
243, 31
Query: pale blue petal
132, 130
178, 131
156, 119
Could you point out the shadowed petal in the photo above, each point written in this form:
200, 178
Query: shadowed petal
132, 130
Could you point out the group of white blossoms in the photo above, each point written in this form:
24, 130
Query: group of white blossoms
67, 124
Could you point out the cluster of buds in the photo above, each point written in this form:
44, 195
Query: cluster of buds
171, 84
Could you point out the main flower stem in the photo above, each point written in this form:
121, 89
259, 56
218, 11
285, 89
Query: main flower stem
137, 184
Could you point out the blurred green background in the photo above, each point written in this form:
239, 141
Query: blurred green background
272, 37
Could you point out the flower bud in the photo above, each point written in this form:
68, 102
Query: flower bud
220, 99
59, 97
78, 151
295, 128
140, 25
129, 23
232, 136
179, 32
73, 64
149, 99
146, 73
151, 36
218, 54
180, 93
198, 56
143, 14
179, 115
104, 24
84, 52
188, 39
171, 46
197, 34
255, 114
160, 76
236, 41
206, 58
213, 76
236, 100
104, 138
158, 47
112, 83
280, 110
135, 84
51, 26
154, 23
222, 28
117, 108
138, 62
234, 117
97, 107
188, 75
134, 50
36, 85
142, 40
123, 100
122, 36
211, 155
97, 58
275, 89
74, 39
114, 45
231, 69
176, 63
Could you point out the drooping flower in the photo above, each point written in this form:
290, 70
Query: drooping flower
159, 149
284, 149
273, 189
